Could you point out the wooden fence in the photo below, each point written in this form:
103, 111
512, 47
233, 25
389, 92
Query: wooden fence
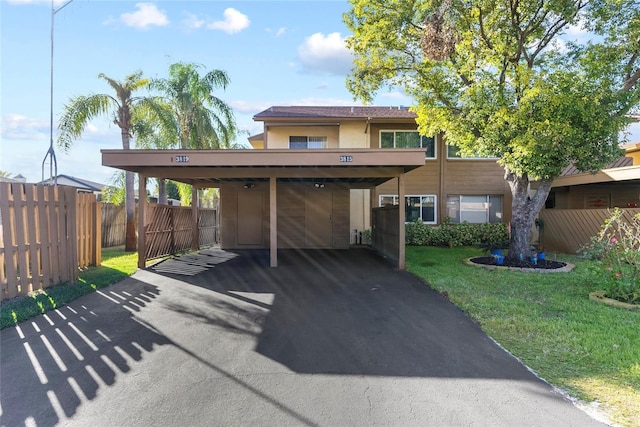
46, 235
168, 229
384, 231
114, 223
566, 230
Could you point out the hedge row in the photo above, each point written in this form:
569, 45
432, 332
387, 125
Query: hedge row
447, 234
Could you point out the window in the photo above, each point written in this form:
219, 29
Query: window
474, 209
421, 207
452, 153
408, 139
307, 142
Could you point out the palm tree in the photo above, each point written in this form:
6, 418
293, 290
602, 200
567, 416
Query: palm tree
197, 118
201, 120
80, 110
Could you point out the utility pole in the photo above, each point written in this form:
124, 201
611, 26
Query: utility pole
51, 154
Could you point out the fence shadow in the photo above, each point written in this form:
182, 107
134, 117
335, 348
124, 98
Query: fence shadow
53, 363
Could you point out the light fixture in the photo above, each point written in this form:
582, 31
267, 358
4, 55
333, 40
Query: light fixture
249, 185
318, 185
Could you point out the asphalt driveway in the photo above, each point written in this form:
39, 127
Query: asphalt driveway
329, 338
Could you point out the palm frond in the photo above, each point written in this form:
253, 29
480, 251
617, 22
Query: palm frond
77, 114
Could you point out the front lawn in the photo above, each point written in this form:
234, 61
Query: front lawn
547, 321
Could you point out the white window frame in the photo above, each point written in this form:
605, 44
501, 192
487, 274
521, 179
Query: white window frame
395, 202
395, 131
487, 206
310, 138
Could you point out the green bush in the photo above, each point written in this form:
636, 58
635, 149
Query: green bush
448, 234
616, 254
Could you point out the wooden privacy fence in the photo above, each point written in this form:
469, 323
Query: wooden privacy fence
168, 229
114, 225
566, 230
385, 232
46, 235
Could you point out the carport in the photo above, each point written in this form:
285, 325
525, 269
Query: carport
269, 170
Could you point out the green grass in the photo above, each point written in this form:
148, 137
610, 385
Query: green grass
116, 265
547, 321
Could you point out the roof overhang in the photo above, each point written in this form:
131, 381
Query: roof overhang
207, 168
624, 174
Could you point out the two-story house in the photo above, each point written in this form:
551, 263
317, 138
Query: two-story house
315, 174
446, 186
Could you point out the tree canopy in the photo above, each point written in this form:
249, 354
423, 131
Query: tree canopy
497, 80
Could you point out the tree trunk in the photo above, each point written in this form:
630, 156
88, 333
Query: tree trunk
162, 191
524, 211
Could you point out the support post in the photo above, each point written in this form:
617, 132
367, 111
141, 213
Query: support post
401, 226
142, 203
195, 230
273, 222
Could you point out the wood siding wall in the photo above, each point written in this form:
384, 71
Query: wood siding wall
566, 230
448, 177
46, 235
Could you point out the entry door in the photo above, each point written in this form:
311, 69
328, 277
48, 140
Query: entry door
318, 224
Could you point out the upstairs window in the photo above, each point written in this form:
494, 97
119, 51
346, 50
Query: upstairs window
307, 142
408, 139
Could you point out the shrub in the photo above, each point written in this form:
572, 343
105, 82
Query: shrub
616, 254
448, 234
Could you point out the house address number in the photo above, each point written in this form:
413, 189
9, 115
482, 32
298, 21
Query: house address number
346, 159
182, 159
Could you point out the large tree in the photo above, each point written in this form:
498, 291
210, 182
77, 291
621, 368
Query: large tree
498, 80
190, 115
81, 110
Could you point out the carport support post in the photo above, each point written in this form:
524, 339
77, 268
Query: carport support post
273, 222
195, 231
142, 202
401, 227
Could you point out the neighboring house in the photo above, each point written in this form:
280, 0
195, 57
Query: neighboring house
82, 185
17, 178
447, 186
616, 185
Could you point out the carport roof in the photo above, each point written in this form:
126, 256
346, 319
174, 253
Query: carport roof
207, 168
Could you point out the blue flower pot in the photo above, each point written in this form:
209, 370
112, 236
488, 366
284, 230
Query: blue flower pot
499, 259
541, 255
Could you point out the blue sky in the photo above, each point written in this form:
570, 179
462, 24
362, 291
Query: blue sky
275, 52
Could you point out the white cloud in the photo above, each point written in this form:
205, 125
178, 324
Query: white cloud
234, 22
192, 22
146, 16
18, 127
320, 54
281, 31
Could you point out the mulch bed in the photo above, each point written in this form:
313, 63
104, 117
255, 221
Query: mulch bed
542, 264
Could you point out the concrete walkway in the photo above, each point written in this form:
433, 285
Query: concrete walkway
330, 338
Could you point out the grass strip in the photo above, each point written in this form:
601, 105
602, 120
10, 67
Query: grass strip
116, 265
547, 320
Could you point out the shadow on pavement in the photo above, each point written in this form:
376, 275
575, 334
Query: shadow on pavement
345, 312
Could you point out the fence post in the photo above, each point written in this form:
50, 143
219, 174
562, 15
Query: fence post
195, 227
96, 247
